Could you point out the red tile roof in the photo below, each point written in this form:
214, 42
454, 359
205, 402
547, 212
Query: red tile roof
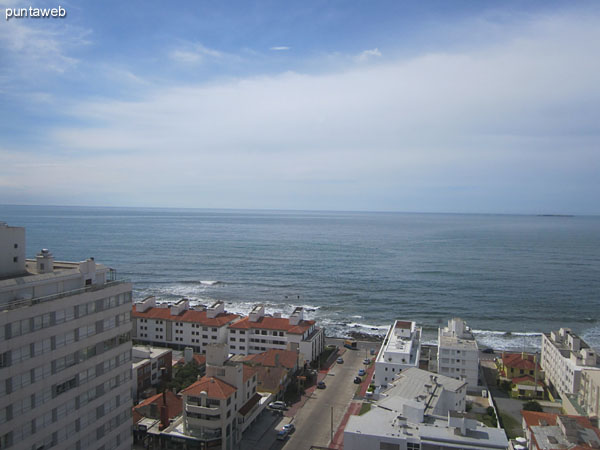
525, 379
273, 323
174, 404
517, 361
403, 324
270, 379
213, 387
286, 358
190, 315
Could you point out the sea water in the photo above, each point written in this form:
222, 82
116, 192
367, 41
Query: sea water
511, 277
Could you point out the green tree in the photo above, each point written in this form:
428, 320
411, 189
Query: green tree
532, 405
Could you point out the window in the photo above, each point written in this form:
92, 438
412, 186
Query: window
16, 245
16, 259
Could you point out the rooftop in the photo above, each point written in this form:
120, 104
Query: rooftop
273, 358
213, 387
190, 315
273, 323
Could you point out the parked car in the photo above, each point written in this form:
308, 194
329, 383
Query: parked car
282, 434
366, 361
372, 351
278, 405
361, 372
340, 360
357, 380
321, 385
290, 427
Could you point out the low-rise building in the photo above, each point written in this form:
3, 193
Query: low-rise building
179, 325
153, 415
524, 374
150, 366
458, 354
564, 356
401, 349
545, 431
219, 406
274, 368
421, 410
259, 332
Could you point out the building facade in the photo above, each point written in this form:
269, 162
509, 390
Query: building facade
259, 332
545, 431
564, 356
218, 407
401, 349
65, 352
179, 326
151, 365
589, 392
458, 354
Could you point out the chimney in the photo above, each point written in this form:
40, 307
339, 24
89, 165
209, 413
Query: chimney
164, 415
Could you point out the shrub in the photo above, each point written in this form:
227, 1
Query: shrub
532, 405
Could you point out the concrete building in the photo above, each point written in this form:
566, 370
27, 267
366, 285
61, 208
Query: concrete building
589, 393
564, 356
545, 431
179, 326
258, 332
150, 366
401, 349
458, 354
421, 411
65, 351
218, 407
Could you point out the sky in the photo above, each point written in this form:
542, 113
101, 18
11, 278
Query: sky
426, 106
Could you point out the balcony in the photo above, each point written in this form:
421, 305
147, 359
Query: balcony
196, 409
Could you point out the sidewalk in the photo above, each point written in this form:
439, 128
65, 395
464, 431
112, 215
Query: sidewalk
338, 437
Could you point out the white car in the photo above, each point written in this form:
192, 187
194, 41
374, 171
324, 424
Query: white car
278, 405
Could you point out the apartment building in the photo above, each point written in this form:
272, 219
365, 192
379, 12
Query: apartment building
564, 356
458, 354
179, 326
150, 366
401, 349
218, 407
420, 410
259, 332
65, 351
589, 392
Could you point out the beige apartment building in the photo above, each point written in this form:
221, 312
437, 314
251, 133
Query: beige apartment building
589, 392
65, 352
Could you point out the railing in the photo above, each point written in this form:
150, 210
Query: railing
15, 304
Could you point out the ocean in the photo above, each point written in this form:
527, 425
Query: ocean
511, 277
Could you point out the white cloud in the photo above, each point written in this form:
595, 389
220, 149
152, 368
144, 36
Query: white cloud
518, 115
280, 48
191, 53
368, 54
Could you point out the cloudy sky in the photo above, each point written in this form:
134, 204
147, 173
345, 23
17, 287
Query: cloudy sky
435, 106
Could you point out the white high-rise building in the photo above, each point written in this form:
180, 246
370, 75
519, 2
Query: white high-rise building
458, 354
65, 352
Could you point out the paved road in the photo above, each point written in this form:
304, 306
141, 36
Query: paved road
313, 420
